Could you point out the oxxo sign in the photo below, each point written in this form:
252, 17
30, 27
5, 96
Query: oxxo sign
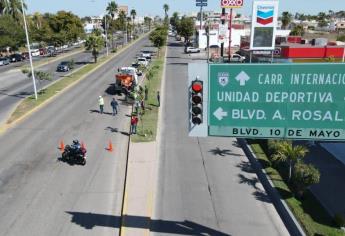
231, 3
293, 101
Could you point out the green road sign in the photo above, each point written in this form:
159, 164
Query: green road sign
295, 101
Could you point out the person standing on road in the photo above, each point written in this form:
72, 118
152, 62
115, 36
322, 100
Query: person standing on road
146, 91
114, 105
134, 122
101, 104
158, 99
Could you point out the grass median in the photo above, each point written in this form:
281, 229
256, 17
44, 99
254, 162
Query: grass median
147, 125
308, 211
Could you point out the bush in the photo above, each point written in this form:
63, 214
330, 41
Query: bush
304, 175
341, 38
339, 219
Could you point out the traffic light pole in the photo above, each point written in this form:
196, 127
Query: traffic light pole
223, 23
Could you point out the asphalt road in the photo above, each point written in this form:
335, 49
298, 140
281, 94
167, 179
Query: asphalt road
40, 195
206, 186
14, 85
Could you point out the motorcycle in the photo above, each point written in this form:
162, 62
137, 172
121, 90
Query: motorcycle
74, 155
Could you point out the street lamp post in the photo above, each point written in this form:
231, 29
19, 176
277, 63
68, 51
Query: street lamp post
30, 56
106, 34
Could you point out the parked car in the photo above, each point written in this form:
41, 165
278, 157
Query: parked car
35, 52
4, 61
63, 66
143, 61
43, 51
192, 50
16, 57
237, 58
146, 55
135, 64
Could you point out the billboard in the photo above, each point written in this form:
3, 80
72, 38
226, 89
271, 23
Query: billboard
264, 23
231, 3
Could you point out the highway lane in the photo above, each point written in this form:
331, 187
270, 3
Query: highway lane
42, 196
205, 185
14, 85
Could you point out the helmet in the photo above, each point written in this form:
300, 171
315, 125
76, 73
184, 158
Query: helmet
75, 142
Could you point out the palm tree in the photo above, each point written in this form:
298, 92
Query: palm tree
129, 27
122, 20
14, 8
133, 14
37, 19
286, 19
288, 153
112, 9
3, 5
166, 9
94, 43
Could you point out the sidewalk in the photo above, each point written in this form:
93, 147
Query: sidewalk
138, 200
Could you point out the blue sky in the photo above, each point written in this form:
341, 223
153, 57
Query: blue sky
154, 7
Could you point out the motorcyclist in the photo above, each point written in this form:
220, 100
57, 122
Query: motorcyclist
76, 145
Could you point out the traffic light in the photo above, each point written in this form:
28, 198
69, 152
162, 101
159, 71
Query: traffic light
196, 102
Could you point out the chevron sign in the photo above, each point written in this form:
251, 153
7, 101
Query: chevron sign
265, 16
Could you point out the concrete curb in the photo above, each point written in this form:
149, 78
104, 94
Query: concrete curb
154, 174
283, 210
5, 127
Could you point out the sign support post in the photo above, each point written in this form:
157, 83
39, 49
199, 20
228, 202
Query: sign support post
230, 29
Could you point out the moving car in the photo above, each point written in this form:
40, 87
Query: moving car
192, 50
4, 61
63, 66
146, 55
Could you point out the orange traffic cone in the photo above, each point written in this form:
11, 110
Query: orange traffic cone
83, 145
110, 146
62, 146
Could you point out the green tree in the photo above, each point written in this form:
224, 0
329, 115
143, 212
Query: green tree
298, 30
174, 20
14, 8
286, 19
65, 26
94, 43
148, 21
3, 5
112, 9
12, 34
185, 27
304, 176
166, 9
286, 152
158, 37
133, 15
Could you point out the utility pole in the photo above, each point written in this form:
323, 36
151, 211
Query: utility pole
201, 17
30, 56
223, 23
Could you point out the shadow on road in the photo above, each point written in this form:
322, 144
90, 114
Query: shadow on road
224, 152
115, 130
258, 193
18, 95
246, 167
175, 44
91, 220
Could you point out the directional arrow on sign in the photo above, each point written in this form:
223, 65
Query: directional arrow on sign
242, 77
220, 114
